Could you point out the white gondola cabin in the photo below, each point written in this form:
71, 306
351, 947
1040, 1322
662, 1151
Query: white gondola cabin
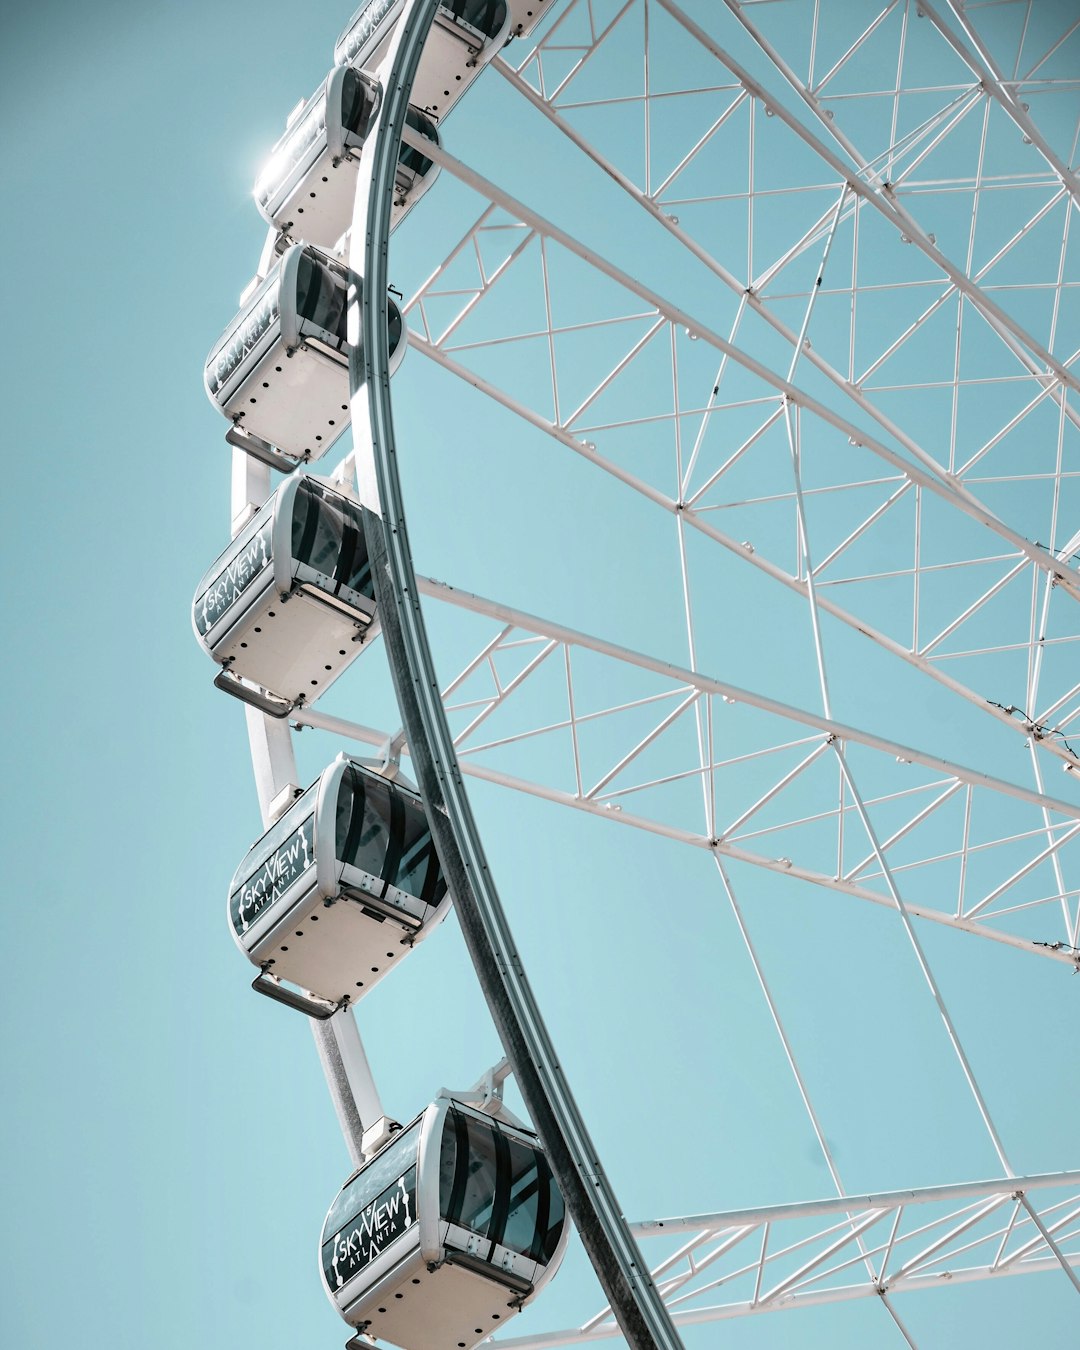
307, 188
338, 890
446, 1233
464, 37
284, 610
280, 371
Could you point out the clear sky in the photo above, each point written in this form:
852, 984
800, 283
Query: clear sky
170, 1144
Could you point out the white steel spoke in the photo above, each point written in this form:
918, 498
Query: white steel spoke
924, 965
770, 795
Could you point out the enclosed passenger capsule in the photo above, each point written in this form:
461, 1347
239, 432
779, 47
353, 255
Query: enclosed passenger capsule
464, 37
285, 608
445, 1233
280, 371
337, 890
307, 188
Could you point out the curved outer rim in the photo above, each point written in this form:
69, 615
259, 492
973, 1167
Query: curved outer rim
634, 1299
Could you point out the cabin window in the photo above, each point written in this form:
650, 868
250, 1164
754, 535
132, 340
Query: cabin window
243, 333
356, 103
418, 872
486, 16
284, 852
393, 329
293, 147
320, 296
354, 569
234, 572
499, 1187
410, 158
328, 535
534, 1218
366, 815
361, 27
373, 1209
470, 1199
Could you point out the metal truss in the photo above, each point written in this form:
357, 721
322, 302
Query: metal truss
911, 514
874, 1246
768, 784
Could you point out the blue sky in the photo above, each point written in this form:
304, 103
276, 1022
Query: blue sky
171, 1145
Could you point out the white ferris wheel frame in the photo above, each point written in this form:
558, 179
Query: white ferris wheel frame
888, 1258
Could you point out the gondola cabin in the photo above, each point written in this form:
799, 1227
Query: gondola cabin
285, 609
464, 36
280, 371
307, 188
338, 890
446, 1233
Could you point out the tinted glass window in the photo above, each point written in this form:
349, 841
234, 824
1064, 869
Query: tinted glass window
363, 822
328, 535
484, 15
469, 1200
356, 103
410, 158
418, 871
355, 569
393, 328
317, 527
320, 296
391, 1162
276, 835
448, 1156
534, 1219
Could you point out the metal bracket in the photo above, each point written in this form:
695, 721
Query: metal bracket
376, 1135
487, 1095
343, 478
390, 754
387, 761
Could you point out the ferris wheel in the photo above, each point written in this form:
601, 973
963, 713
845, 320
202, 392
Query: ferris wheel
760, 314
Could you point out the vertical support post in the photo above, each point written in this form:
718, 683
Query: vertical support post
348, 1074
341, 1052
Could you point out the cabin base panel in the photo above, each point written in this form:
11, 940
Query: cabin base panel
335, 951
298, 402
444, 1309
318, 211
296, 648
447, 65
